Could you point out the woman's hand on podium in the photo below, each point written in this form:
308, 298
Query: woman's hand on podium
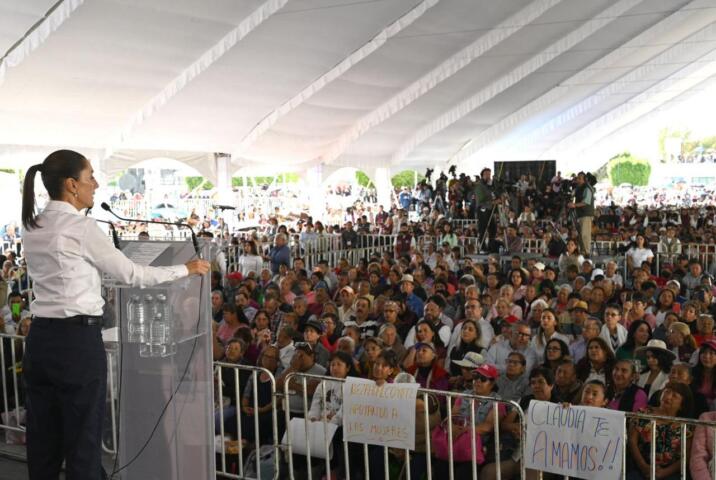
198, 267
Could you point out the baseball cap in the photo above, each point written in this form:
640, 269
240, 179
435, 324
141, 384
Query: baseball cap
539, 266
709, 344
487, 371
235, 276
429, 345
407, 278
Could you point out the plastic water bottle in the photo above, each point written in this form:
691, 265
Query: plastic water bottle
157, 336
145, 349
136, 320
162, 306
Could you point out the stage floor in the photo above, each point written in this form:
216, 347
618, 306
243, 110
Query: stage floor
12, 467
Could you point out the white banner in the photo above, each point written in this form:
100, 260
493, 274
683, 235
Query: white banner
379, 415
581, 442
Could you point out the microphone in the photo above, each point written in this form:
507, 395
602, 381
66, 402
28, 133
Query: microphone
194, 241
223, 207
115, 237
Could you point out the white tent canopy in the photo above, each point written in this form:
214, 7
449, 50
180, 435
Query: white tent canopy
362, 83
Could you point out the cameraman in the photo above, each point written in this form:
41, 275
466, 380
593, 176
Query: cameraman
484, 203
584, 208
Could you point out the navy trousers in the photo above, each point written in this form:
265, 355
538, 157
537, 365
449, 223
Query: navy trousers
65, 377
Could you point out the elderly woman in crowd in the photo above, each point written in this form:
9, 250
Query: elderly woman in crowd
541, 381
626, 396
676, 401
681, 341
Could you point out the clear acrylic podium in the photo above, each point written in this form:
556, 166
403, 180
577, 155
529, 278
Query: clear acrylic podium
166, 426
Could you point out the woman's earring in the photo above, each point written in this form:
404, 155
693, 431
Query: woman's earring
76, 194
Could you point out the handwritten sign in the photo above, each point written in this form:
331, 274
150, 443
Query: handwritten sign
379, 415
582, 442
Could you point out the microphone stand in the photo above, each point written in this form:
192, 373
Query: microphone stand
115, 237
194, 241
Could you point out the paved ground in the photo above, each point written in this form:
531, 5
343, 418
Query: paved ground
13, 466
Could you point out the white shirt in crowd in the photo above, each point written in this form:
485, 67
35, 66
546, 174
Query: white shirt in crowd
498, 353
250, 263
65, 259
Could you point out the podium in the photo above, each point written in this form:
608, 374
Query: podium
166, 425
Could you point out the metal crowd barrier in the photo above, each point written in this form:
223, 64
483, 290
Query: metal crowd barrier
221, 468
12, 349
684, 453
425, 394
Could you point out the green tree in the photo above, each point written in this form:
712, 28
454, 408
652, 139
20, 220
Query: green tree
625, 168
194, 182
251, 181
406, 178
363, 179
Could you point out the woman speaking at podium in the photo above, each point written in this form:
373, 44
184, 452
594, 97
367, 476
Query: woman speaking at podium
65, 367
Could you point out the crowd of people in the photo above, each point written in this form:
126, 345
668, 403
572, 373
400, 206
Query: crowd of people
558, 328
565, 327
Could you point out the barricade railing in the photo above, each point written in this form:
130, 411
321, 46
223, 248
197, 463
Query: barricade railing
684, 424
221, 420
12, 348
369, 458
12, 399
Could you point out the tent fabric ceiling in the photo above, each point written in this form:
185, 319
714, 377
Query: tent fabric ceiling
361, 83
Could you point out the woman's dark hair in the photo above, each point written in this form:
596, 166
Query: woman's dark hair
239, 312
687, 398
543, 372
699, 372
252, 246
564, 350
600, 384
663, 359
436, 337
54, 170
633, 327
347, 360
477, 330
521, 273
389, 357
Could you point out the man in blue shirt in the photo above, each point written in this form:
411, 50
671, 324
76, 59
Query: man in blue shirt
414, 303
280, 254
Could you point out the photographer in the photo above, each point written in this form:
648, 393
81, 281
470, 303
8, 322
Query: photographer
484, 202
584, 207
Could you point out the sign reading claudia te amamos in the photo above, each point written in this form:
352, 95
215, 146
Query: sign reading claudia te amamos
581, 442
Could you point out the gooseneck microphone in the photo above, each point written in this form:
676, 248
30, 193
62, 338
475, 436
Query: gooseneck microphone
115, 237
194, 241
